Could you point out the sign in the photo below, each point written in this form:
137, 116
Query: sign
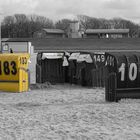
5, 47
110, 61
128, 72
14, 72
9, 67
99, 58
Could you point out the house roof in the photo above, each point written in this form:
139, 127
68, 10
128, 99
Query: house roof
95, 31
76, 44
55, 31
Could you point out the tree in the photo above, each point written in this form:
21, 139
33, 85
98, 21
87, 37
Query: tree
63, 24
38, 22
91, 22
20, 25
8, 26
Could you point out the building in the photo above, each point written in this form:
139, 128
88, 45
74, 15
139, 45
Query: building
49, 33
74, 30
107, 33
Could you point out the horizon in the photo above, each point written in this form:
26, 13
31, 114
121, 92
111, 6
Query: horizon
72, 19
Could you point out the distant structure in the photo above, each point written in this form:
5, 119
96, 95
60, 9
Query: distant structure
107, 33
74, 30
49, 33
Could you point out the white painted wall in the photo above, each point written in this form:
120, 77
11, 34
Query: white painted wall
17, 47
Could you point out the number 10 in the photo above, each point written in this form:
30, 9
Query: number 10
132, 71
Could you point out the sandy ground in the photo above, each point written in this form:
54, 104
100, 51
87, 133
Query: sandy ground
65, 112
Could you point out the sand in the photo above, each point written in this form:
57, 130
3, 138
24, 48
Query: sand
67, 112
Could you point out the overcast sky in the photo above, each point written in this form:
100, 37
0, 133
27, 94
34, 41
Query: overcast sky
57, 9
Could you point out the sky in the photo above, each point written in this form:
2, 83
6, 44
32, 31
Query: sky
58, 9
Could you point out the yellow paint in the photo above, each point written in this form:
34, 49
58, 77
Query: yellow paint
14, 72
